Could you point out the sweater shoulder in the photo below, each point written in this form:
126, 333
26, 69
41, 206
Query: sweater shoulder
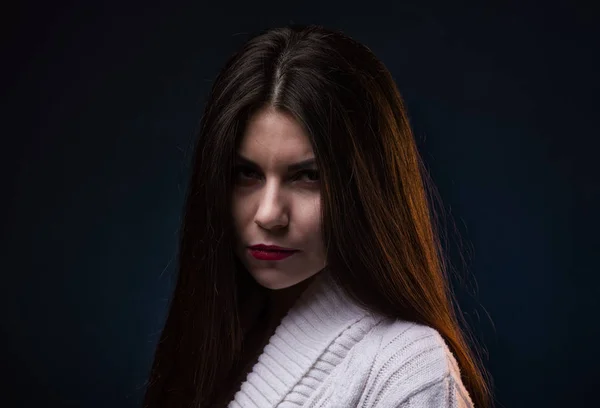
410, 358
402, 342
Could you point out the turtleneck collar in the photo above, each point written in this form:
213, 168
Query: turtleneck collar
320, 314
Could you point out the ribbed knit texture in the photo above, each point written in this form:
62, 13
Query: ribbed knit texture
329, 352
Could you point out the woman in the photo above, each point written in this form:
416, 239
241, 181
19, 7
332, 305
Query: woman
305, 145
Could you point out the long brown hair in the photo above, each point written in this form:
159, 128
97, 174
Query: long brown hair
378, 221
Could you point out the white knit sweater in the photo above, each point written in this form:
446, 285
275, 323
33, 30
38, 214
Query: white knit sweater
328, 352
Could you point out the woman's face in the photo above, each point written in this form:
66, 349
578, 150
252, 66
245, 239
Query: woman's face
275, 203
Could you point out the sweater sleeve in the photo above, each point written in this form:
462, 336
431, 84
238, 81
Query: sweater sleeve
443, 394
416, 370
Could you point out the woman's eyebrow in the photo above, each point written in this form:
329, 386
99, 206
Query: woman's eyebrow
301, 165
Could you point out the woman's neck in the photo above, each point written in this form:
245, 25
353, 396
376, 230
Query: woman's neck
282, 300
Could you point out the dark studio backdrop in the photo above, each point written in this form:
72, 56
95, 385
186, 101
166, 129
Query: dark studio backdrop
100, 104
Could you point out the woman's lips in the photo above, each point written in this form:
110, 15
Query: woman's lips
265, 255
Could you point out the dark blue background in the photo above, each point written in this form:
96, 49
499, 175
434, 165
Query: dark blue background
101, 103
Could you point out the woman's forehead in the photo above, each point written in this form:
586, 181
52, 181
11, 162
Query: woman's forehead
274, 137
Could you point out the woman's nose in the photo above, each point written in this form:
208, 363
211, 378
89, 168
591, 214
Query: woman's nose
271, 212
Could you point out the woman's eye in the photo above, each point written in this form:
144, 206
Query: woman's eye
312, 176
245, 172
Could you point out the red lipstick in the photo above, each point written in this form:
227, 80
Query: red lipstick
270, 252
